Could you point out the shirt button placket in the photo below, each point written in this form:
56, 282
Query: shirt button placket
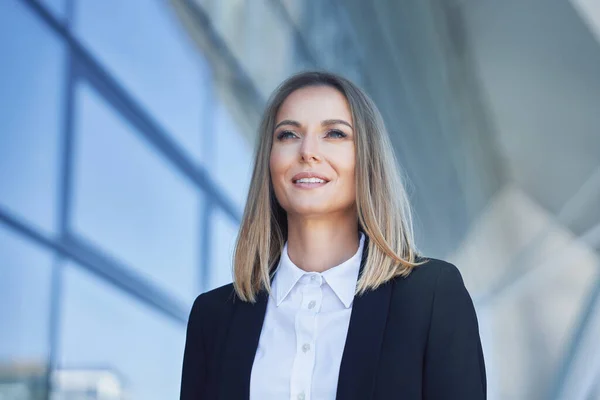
305, 334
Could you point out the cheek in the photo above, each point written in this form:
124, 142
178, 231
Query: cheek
346, 166
274, 162
277, 164
350, 177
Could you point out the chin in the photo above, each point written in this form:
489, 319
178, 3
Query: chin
309, 209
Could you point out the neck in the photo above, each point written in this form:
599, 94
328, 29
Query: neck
316, 244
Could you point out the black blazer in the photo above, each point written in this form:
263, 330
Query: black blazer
412, 338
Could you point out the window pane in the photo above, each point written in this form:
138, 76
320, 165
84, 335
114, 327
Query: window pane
113, 346
130, 202
224, 233
30, 97
143, 44
25, 275
233, 157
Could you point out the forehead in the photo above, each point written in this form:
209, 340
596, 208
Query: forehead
315, 104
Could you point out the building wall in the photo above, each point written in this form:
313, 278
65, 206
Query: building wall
537, 291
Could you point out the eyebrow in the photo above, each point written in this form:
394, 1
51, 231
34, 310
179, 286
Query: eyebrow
288, 122
323, 123
335, 122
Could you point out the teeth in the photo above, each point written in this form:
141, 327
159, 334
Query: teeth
310, 180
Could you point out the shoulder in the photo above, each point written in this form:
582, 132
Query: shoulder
432, 294
435, 279
220, 295
445, 288
210, 305
434, 273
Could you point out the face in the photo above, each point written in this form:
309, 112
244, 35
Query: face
312, 158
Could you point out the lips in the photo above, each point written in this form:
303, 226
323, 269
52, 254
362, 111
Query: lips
303, 175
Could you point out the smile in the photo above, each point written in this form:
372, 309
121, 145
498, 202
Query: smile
310, 180
309, 183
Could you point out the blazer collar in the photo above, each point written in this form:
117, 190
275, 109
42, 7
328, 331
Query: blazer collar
361, 352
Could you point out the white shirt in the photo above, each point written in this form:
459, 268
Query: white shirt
304, 331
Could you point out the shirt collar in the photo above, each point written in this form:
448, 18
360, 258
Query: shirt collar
341, 278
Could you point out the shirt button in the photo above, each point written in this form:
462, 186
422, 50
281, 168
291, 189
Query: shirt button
312, 304
313, 277
301, 396
305, 347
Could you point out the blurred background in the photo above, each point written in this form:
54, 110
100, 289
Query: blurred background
126, 140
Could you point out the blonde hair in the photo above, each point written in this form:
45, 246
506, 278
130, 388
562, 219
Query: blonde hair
384, 212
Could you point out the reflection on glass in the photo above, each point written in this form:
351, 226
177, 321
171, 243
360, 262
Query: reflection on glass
224, 233
233, 157
590, 12
30, 97
25, 275
145, 47
111, 343
87, 384
130, 202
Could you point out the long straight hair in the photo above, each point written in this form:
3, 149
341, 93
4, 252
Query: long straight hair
384, 212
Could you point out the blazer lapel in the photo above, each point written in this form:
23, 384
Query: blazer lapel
360, 358
240, 348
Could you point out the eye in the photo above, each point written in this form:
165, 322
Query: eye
285, 134
336, 133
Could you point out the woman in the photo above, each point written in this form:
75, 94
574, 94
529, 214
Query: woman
330, 299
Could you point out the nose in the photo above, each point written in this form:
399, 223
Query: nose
309, 149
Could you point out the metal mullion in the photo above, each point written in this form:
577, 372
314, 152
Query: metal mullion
103, 266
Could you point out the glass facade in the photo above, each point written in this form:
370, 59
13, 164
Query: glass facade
25, 295
33, 83
117, 159
103, 329
134, 206
147, 52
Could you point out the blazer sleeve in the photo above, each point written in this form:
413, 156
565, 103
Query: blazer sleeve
193, 377
454, 365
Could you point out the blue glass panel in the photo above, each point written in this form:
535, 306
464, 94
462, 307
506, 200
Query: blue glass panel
31, 98
25, 284
223, 235
232, 166
114, 346
143, 44
130, 202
